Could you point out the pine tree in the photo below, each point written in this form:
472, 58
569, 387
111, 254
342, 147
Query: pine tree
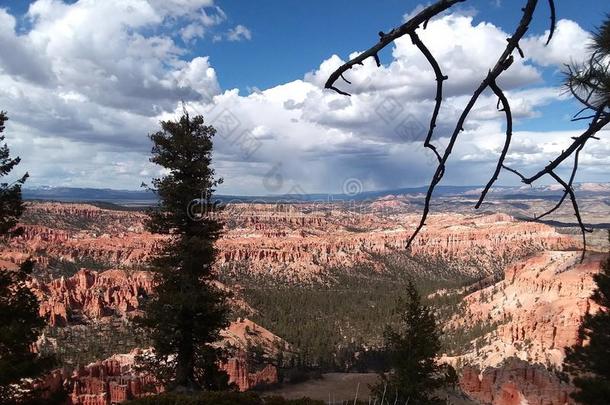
11, 204
590, 363
20, 324
452, 378
589, 81
411, 350
188, 311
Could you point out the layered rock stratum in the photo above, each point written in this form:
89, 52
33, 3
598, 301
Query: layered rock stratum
115, 380
537, 309
287, 242
92, 295
533, 312
516, 382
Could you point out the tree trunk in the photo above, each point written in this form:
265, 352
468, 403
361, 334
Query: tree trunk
184, 362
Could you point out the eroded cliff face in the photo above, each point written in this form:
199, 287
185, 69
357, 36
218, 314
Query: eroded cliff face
110, 381
90, 295
243, 335
296, 245
115, 380
116, 249
301, 252
515, 383
538, 308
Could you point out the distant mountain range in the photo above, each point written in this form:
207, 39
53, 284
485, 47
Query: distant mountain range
143, 197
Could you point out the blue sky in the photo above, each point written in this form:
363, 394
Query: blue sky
90, 93
291, 37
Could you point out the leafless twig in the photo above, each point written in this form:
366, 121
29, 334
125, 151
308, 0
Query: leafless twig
386, 39
599, 119
504, 62
509, 134
566, 191
553, 21
440, 77
570, 191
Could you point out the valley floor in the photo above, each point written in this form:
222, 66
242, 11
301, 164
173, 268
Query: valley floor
336, 386
339, 388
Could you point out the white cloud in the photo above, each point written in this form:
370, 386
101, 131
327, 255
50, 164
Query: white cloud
409, 72
569, 43
82, 95
19, 57
239, 33
180, 7
91, 92
202, 23
416, 10
192, 31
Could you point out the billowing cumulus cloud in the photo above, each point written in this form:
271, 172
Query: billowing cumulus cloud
82, 96
316, 139
569, 44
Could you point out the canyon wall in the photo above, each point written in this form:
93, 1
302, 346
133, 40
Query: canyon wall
282, 242
515, 383
537, 308
110, 381
114, 380
92, 295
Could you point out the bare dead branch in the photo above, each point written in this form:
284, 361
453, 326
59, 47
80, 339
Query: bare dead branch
553, 21
582, 118
340, 91
580, 112
509, 133
503, 63
596, 125
377, 61
570, 182
520, 51
440, 77
514, 171
406, 28
598, 121
582, 226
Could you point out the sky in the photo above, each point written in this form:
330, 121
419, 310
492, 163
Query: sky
85, 81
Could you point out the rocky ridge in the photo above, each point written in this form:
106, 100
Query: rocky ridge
114, 380
538, 308
282, 242
92, 295
515, 383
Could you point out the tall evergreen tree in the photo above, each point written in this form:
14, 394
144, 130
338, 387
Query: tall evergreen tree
411, 350
20, 324
589, 363
188, 311
589, 81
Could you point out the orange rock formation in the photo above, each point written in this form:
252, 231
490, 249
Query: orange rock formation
92, 295
295, 244
538, 307
515, 383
